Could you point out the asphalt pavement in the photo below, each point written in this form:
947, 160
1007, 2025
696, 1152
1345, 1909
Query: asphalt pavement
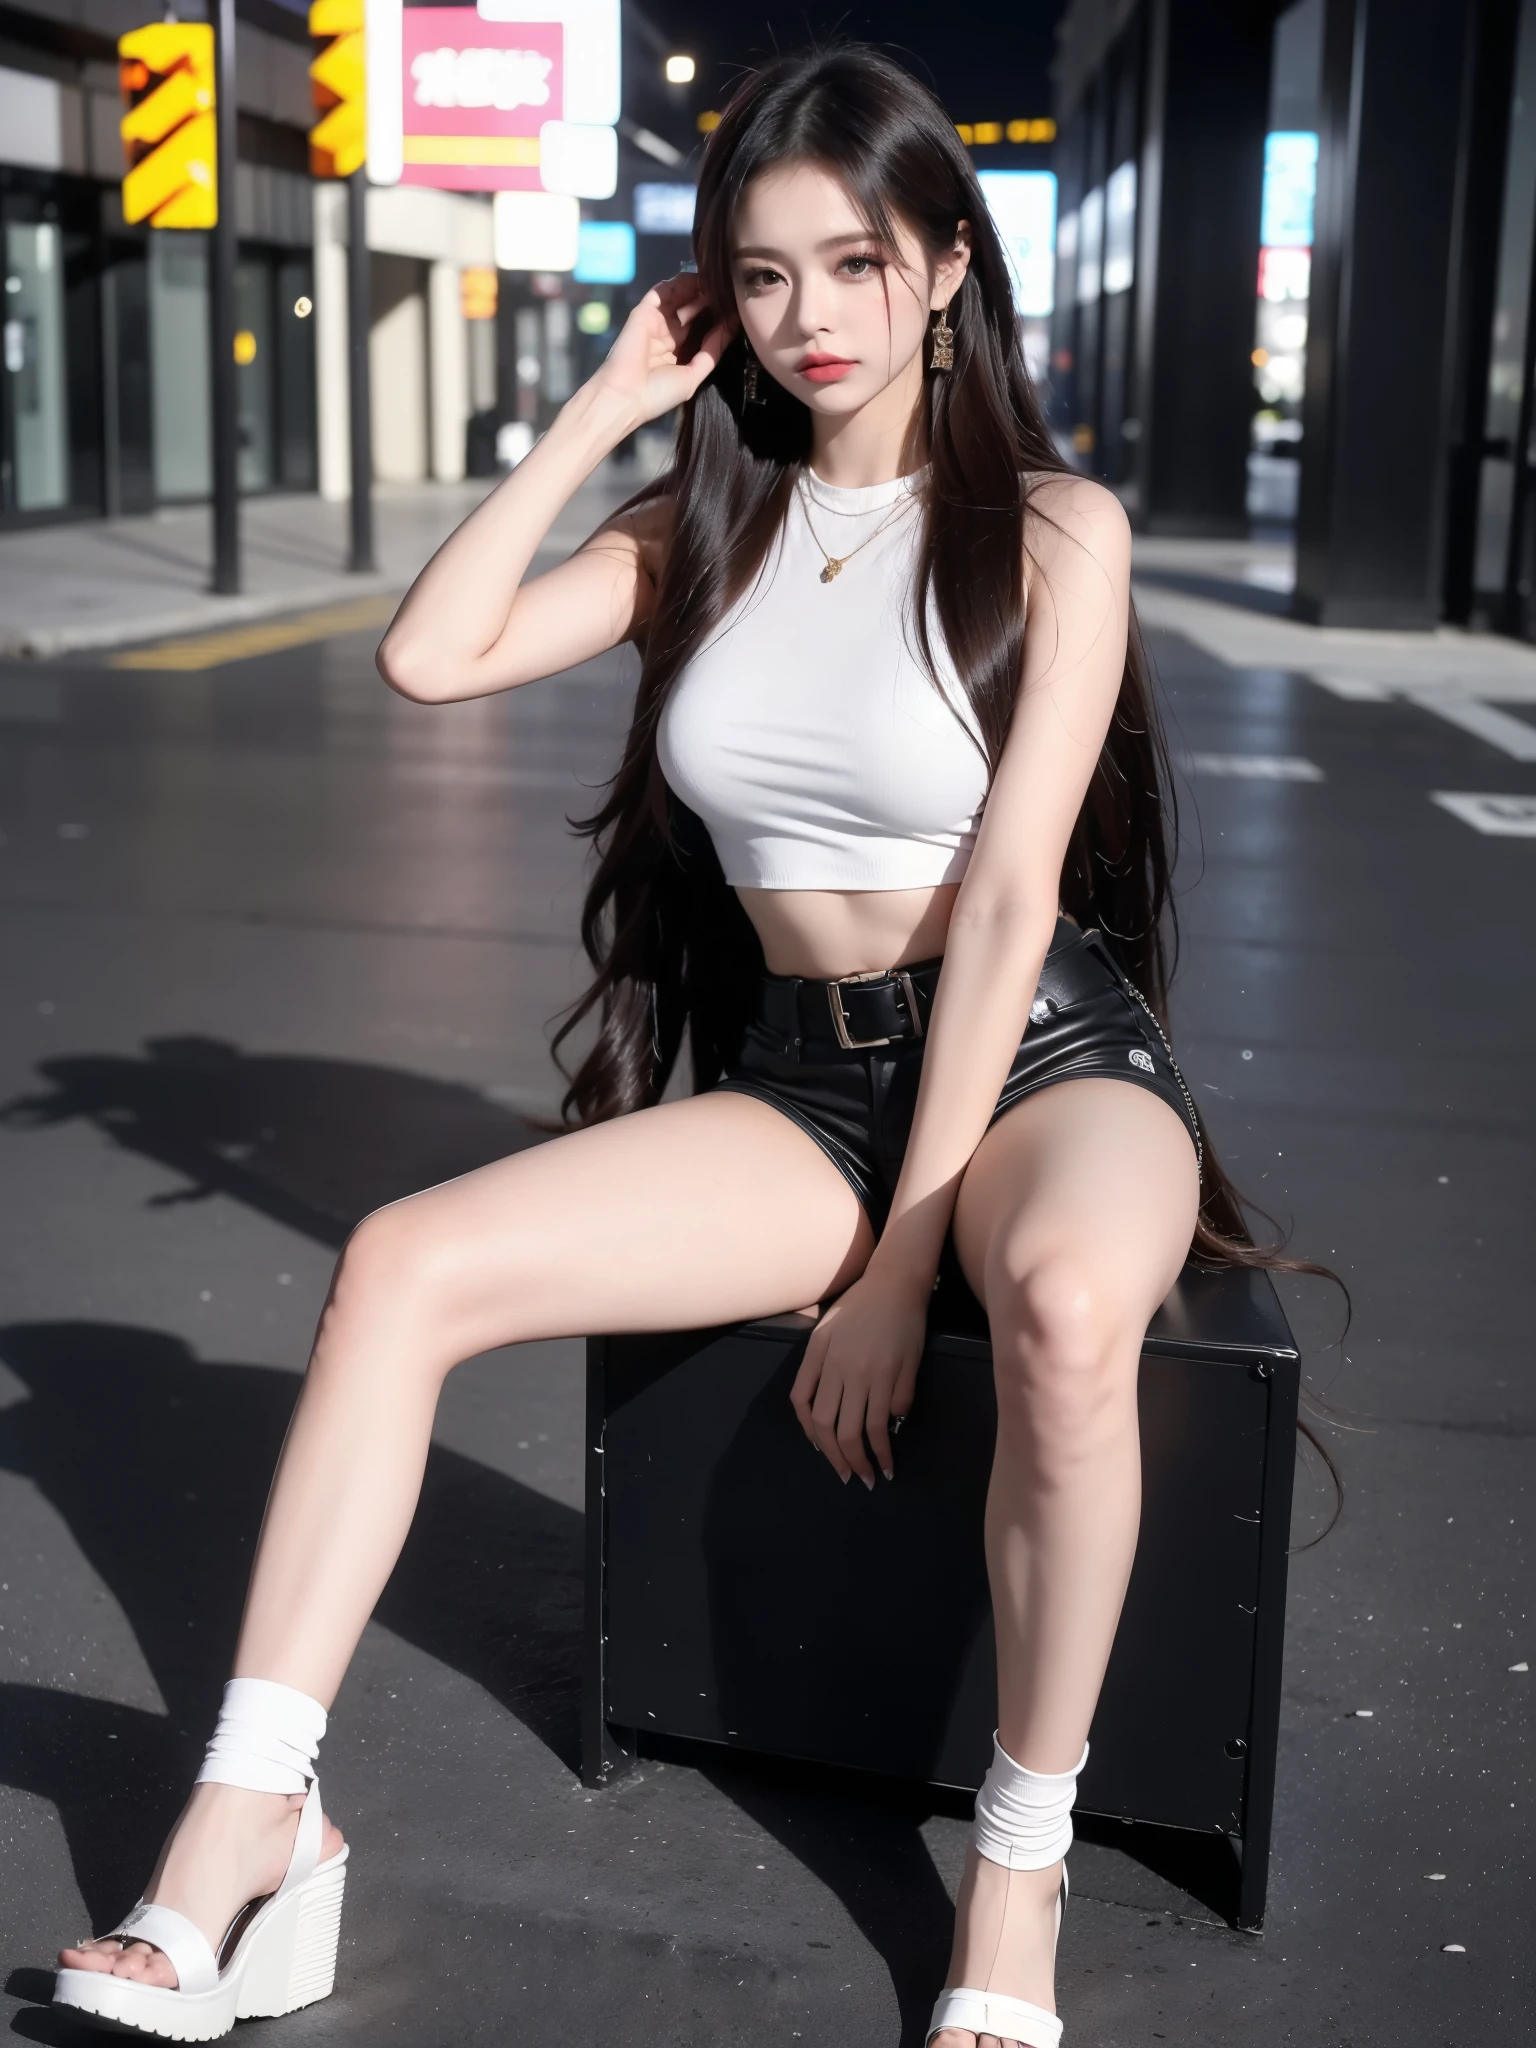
279, 947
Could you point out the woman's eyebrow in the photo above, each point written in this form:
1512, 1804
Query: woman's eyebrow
831, 242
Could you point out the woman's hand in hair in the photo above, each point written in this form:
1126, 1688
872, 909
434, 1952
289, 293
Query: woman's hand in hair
860, 1370
654, 365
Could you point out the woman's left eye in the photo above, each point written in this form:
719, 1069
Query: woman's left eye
861, 266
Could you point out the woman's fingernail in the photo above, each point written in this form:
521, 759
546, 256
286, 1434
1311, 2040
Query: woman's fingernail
868, 1482
887, 1471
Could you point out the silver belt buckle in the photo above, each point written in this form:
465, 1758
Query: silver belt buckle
839, 1017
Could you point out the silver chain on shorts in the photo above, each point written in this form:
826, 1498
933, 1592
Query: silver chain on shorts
1189, 1100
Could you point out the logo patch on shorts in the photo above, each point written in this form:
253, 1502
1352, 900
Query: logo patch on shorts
1142, 1060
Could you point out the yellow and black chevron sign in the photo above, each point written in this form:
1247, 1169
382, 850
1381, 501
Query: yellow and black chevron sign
166, 72
338, 142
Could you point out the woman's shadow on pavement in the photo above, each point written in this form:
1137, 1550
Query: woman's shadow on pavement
159, 1461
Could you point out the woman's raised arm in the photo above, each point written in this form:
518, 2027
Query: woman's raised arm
469, 625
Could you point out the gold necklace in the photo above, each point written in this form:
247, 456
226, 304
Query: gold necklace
834, 563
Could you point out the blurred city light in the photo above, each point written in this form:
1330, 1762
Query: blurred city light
579, 158
595, 317
1290, 189
679, 70
478, 293
1023, 209
664, 209
536, 230
605, 252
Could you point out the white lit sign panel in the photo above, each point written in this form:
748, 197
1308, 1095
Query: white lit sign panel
580, 158
1290, 189
536, 230
1023, 209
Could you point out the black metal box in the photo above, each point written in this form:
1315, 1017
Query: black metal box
738, 1594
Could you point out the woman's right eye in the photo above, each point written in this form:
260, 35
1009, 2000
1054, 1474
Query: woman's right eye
757, 280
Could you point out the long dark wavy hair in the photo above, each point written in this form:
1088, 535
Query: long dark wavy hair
673, 953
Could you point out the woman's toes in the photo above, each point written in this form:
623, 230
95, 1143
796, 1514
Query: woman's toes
88, 1957
146, 1965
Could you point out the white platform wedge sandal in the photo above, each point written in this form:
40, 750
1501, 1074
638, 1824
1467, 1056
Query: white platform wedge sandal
279, 1952
1024, 1822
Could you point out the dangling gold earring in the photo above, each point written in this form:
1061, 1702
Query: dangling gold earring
750, 395
943, 357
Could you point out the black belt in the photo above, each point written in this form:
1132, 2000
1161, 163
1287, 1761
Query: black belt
891, 1006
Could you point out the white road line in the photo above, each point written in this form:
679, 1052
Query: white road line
1254, 767
1502, 817
1499, 729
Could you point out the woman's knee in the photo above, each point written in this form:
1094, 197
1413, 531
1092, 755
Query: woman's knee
1065, 1347
401, 1270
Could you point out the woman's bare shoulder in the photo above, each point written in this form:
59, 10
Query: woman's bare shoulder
1072, 515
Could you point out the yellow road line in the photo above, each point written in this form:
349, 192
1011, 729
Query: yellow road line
261, 636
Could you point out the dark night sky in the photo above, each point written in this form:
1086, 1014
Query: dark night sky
987, 61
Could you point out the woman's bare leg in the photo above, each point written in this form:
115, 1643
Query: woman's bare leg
699, 1212
1073, 1222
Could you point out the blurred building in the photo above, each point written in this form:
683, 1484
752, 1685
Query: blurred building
104, 392
1294, 281
103, 398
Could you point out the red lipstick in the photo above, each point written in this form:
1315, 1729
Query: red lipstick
818, 368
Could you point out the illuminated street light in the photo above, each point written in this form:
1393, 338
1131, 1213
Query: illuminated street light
679, 70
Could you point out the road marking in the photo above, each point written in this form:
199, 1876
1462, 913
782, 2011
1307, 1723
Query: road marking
261, 636
1502, 817
1499, 729
1255, 767
1352, 688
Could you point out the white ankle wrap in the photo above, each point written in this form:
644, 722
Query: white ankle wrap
1024, 1818
266, 1740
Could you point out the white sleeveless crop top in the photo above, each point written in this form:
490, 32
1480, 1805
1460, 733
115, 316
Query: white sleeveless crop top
807, 734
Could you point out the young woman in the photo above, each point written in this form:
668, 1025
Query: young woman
884, 844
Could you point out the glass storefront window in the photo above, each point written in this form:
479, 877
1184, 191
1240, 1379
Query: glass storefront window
178, 319
33, 340
295, 340
255, 361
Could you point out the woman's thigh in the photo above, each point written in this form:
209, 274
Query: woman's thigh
702, 1211
1092, 1181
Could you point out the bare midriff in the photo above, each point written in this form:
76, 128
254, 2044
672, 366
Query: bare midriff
824, 934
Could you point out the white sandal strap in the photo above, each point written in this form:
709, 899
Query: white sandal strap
1024, 1818
195, 1964
181, 1943
306, 1843
266, 1739
988, 2012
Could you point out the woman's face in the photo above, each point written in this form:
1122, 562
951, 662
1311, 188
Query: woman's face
831, 313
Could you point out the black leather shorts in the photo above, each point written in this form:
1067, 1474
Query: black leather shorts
842, 1059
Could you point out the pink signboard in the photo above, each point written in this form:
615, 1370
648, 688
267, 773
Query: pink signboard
476, 94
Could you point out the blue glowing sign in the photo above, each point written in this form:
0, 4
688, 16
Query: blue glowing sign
1290, 189
605, 252
664, 209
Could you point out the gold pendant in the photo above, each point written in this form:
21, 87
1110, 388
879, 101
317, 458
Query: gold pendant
831, 570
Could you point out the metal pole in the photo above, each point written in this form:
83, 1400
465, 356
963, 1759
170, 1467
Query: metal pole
359, 406
221, 316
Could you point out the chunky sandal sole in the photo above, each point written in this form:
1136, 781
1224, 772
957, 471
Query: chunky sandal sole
285, 1958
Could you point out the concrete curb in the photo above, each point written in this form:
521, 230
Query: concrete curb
210, 613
